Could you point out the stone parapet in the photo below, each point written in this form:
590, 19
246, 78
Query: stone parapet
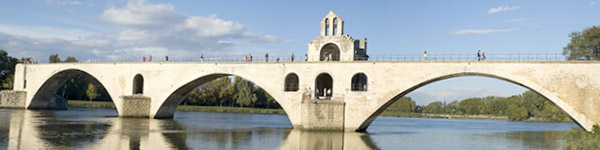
323, 115
12, 99
135, 106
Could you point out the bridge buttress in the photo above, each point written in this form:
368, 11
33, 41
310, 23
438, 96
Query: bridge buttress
12, 99
135, 106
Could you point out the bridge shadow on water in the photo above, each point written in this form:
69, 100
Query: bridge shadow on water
94, 129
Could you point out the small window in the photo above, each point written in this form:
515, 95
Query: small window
291, 82
138, 84
326, 26
359, 82
335, 26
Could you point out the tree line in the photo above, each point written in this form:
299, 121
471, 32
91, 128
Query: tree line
516, 107
224, 92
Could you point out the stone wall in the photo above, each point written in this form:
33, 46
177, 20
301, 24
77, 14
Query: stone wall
323, 115
12, 99
135, 106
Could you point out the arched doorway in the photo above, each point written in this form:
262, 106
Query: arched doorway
359, 82
291, 82
138, 84
323, 81
330, 50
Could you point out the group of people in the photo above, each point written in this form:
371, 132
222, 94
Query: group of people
317, 93
249, 58
480, 55
27, 60
328, 56
150, 58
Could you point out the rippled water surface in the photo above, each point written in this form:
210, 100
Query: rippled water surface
79, 128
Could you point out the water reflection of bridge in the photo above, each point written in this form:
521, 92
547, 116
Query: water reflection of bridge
26, 129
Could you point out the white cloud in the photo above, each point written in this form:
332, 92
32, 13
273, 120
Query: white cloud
482, 31
594, 2
63, 2
503, 8
140, 13
44, 32
141, 28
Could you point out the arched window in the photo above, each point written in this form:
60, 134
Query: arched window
324, 84
335, 26
138, 84
291, 82
326, 26
359, 82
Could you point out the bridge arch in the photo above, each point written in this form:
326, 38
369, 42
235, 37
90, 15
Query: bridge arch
167, 107
552, 97
42, 99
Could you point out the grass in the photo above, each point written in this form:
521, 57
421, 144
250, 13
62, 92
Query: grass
91, 104
110, 104
230, 109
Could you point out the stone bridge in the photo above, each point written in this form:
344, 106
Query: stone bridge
360, 90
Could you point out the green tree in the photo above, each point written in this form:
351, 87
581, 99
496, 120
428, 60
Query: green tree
404, 104
92, 92
433, 107
472, 106
516, 113
7, 70
553, 113
70, 59
584, 45
577, 139
54, 58
244, 95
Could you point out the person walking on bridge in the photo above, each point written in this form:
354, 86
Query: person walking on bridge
167, 58
144, 58
267, 57
305, 57
292, 56
478, 55
425, 55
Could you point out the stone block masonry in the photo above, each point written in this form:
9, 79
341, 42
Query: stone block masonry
323, 115
135, 106
12, 99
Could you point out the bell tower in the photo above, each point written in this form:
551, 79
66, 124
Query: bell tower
332, 25
333, 45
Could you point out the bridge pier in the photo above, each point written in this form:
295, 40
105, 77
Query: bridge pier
135, 106
12, 99
323, 115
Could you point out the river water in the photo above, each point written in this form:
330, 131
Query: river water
83, 128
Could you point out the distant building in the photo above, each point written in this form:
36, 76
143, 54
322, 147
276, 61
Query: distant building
333, 41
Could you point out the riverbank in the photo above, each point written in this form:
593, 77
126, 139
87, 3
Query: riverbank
109, 104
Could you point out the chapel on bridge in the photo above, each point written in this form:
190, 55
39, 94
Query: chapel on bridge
334, 45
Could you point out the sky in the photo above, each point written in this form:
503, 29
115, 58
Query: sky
130, 29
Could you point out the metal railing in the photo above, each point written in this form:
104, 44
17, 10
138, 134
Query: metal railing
373, 57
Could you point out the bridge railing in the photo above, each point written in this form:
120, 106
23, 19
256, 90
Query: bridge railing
371, 57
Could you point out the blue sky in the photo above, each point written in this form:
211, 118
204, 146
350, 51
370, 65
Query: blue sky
118, 28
